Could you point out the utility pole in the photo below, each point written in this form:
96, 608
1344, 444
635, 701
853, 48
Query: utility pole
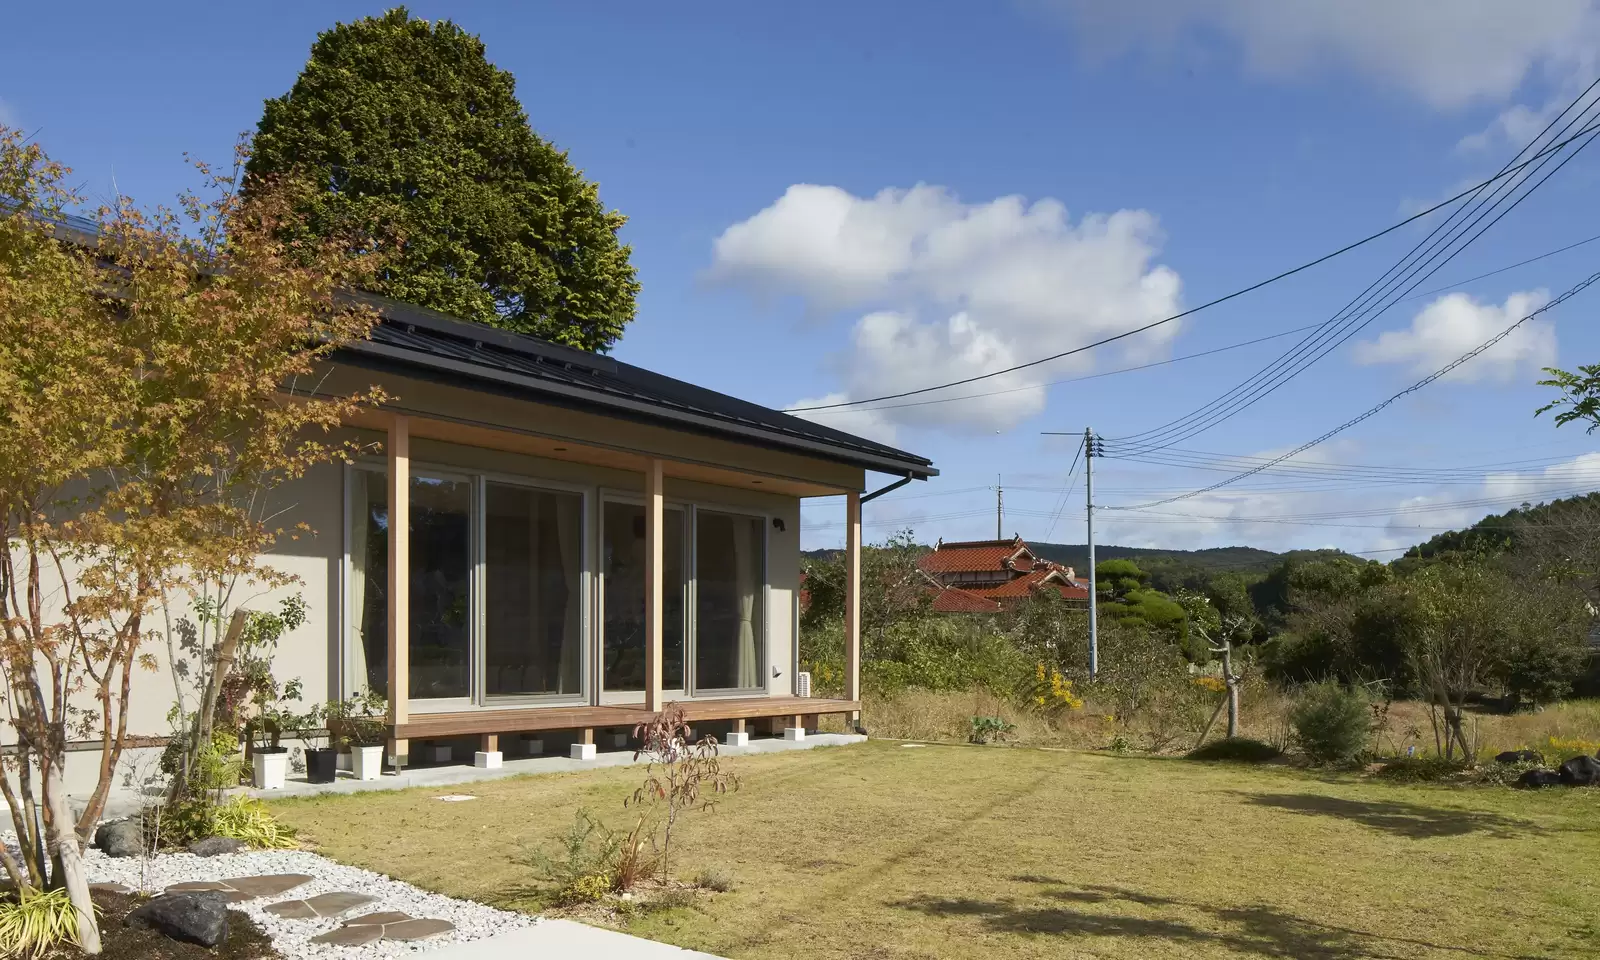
999, 509
1094, 626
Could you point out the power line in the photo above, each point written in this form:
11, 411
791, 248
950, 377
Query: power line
1203, 353
1508, 171
1429, 254
1442, 371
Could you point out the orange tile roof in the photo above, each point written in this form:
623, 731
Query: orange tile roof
971, 556
956, 600
1032, 580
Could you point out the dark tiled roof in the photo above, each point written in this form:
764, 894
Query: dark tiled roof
415, 339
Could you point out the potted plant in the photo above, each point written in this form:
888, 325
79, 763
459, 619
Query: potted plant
360, 725
322, 763
263, 733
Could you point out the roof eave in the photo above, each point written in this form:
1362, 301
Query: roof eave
380, 356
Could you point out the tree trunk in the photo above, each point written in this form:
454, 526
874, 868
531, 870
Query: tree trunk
205, 715
64, 846
1233, 689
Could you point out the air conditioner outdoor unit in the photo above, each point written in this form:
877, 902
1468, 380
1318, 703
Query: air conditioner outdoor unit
802, 683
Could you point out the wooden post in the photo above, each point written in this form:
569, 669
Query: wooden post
654, 539
489, 743
738, 725
586, 735
398, 448
852, 603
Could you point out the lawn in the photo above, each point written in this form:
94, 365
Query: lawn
882, 851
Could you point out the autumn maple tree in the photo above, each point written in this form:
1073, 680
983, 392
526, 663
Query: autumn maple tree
156, 385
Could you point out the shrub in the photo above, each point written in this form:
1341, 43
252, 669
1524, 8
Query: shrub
1332, 723
985, 729
1425, 769
718, 879
1236, 750
585, 889
181, 823
1504, 774
247, 820
584, 859
1558, 749
37, 922
1048, 692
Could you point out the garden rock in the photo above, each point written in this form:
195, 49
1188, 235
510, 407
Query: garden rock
119, 838
1581, 772
200, 918
1519, 756
215, 846
1534, 779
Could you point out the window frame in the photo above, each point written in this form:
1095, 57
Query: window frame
630, 498
478, 480
480, 617
764, 629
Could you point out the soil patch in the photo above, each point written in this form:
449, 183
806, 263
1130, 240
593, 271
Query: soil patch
246, 941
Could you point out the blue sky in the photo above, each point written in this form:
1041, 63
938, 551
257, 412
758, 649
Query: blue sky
1056, 170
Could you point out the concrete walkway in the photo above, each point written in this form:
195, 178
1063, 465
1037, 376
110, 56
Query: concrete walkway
456, 774
562, 939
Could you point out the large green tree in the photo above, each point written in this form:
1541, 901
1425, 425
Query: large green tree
407, 129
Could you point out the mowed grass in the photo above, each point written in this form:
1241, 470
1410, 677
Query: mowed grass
883, 851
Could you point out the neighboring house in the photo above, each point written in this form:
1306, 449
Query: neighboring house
984, 576
584, 542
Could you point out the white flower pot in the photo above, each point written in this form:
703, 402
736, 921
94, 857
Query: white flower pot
270, 769
367, 762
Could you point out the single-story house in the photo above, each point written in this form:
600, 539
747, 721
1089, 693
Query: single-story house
584, 542
985, 576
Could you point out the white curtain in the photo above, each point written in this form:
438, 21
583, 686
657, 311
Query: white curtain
745, 563
355, 637
569, 528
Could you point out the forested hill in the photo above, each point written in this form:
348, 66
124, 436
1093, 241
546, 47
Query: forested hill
1168, 569
1505, 531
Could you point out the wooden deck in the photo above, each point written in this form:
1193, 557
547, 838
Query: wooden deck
461, 723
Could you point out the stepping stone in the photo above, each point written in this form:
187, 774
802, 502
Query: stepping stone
121, 888
321, 906
240, 889
384, 926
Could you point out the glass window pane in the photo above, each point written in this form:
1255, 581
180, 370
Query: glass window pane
441, 588
730, 571
367, 649
533, 563
623, 569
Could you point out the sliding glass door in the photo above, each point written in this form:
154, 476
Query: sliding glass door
499, 599
622, 566
496, 588
533, 591
730, 619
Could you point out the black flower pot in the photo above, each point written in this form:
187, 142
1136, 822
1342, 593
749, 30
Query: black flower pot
322, 765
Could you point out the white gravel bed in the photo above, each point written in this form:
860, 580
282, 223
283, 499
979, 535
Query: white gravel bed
473, 921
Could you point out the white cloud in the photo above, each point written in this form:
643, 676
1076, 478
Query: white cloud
862, 423
1455, 323
1447, 53
953, 289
